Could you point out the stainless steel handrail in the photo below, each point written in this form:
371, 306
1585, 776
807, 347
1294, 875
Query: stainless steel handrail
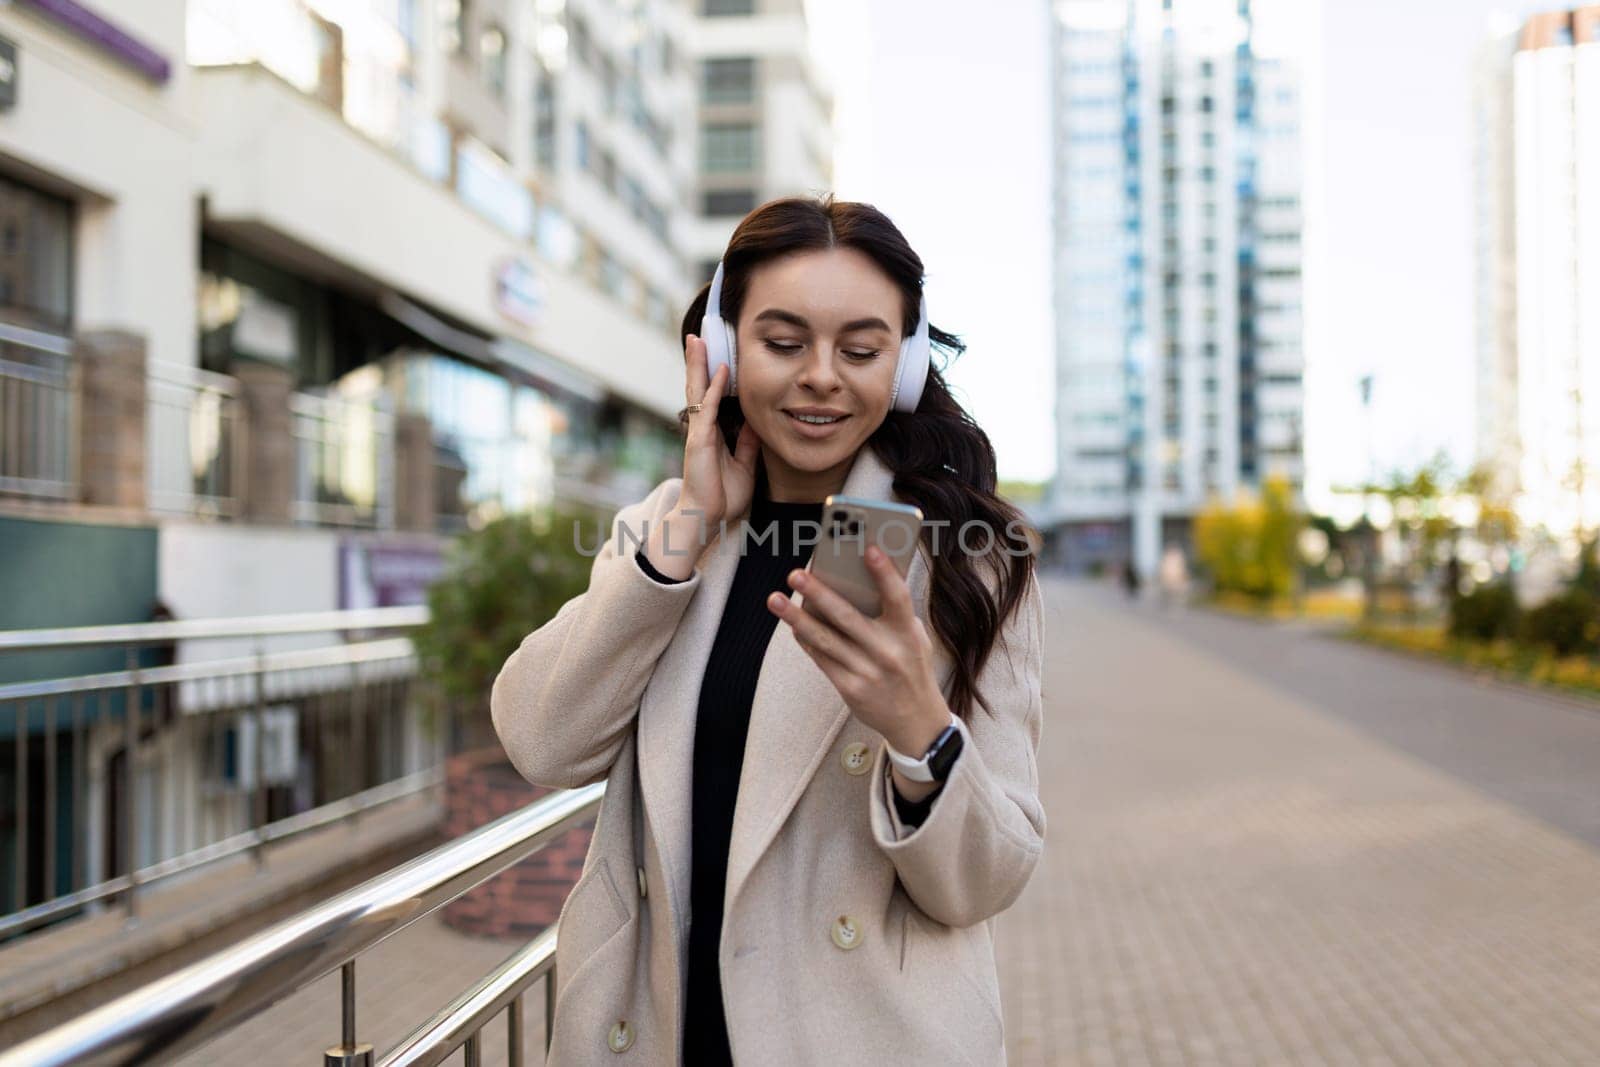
149, 633
178, 1013
313, 819
459, 1022
390, 648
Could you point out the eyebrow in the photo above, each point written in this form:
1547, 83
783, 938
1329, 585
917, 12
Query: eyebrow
779, 315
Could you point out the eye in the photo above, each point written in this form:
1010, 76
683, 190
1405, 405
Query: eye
791, 348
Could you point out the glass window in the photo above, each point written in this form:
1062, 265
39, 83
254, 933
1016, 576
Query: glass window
35, 258
717, 8
452, 25
544, 121
728, 81
727, 201
492, 50
728, 147
582, 136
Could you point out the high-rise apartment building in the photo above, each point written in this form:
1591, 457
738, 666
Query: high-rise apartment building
1178, 217
1538, 112
764, 114
1495, 264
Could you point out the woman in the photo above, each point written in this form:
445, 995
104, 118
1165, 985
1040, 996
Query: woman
764, 884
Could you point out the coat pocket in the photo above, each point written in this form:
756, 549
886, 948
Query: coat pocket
950, 959
593, 911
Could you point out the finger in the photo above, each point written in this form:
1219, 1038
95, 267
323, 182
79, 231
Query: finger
696, 377
838, 673
811, 632
703, 427
832, 608
747, 447
712, 398
893, 592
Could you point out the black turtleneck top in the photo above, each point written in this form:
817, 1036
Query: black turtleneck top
721, 726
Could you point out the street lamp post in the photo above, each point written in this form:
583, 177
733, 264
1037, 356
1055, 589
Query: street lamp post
1369, 568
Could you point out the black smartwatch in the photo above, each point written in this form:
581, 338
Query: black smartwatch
935, 764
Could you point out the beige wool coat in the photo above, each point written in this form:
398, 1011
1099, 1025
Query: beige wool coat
847, 938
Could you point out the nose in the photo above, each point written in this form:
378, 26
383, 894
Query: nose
818, 374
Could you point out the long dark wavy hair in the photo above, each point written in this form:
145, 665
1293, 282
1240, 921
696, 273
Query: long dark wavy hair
970, 595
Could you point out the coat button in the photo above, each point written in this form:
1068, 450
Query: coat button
855, 758
644, 890
621, 1036
846, 933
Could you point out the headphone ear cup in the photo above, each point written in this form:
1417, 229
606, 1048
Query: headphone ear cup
733, 360
911, 370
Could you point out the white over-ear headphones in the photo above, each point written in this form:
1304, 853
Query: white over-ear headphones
910, 370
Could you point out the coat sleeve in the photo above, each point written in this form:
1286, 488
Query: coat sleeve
972, 855
564, 700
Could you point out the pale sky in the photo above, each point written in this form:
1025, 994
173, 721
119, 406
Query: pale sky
943, 123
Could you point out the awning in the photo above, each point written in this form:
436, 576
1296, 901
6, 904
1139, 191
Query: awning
500, 353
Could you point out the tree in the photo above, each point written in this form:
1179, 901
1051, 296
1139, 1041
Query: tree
1251, 546
500, 583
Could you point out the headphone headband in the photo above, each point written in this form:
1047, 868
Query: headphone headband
911, 363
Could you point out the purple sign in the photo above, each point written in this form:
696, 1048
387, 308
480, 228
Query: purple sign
386, 576
97, 31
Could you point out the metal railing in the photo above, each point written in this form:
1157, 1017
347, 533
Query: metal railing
344, 460
179, 1013
39, 411
195, 441
199, 760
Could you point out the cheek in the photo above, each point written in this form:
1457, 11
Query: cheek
876, 383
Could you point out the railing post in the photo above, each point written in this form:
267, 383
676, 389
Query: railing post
514, 1031
130, 748
549, 1007
347, 1053
49, 799
20, 720
259, 800
358, 729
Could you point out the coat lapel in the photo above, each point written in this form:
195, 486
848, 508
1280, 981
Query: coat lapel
794, 717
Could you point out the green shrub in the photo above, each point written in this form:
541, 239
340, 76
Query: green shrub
1566, 623
1486, 613
1588, 576
500, 584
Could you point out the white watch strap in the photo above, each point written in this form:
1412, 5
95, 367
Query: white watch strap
915, 769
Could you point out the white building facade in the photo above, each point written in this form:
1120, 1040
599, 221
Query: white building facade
1548, 351
259, 259
764, 116
1178, 268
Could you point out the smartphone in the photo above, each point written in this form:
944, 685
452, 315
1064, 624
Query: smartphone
849, 525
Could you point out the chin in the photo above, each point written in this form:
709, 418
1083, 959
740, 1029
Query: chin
814, 460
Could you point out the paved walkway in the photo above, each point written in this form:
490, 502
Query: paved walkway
1264, 847
1245, 866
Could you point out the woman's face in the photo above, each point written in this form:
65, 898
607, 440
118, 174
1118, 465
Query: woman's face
818, 332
